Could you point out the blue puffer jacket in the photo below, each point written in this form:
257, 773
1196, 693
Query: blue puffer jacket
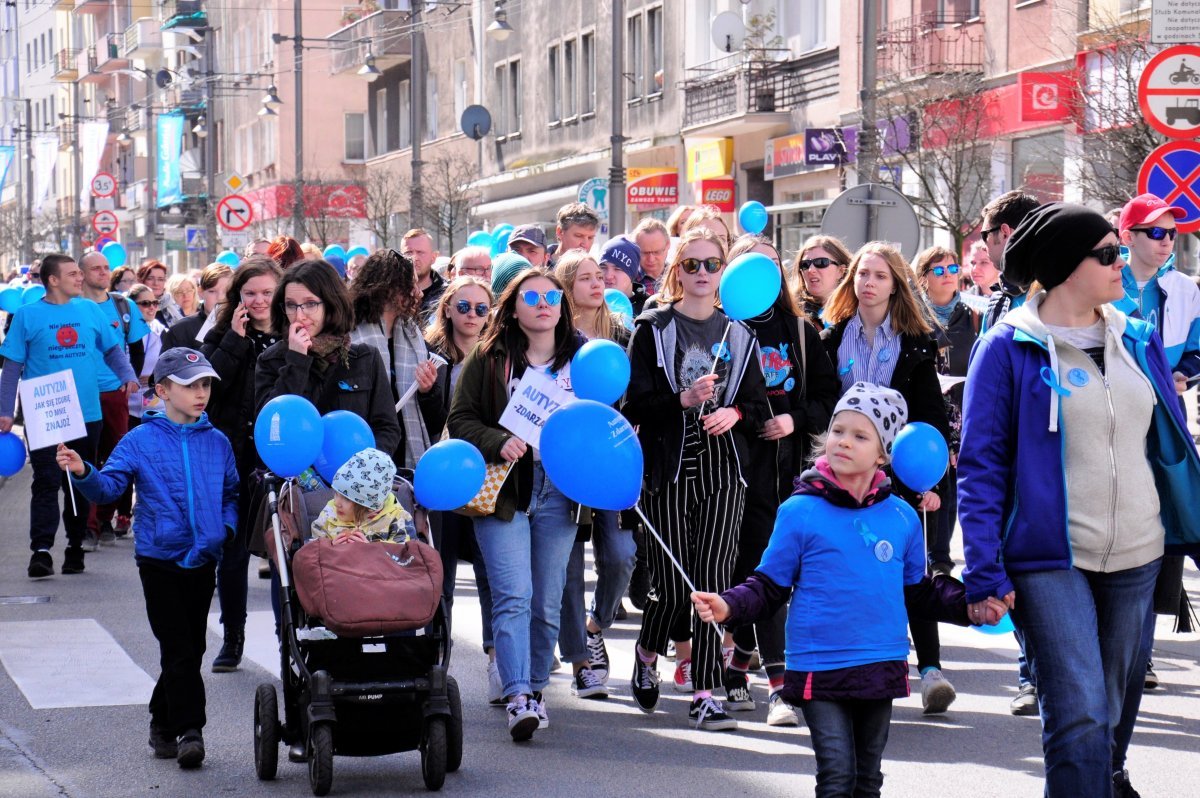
187, 488
1011, 479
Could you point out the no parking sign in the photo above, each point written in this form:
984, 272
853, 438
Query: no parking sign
1172, 172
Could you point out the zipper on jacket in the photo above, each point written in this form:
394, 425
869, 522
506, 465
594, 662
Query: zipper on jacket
187, 474
1112, 464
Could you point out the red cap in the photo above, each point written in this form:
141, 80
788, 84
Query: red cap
1145, 208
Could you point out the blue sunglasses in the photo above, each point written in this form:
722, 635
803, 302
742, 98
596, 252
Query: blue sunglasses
552, 297
940, 271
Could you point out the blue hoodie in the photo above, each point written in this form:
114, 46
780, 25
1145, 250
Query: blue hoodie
187, 488
1175, 313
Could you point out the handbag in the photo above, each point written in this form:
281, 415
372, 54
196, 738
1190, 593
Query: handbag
484, 502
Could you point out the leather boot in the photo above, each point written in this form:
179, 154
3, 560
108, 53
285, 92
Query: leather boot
230, 656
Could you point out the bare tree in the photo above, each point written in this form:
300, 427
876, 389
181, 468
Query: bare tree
448, 196
386, 192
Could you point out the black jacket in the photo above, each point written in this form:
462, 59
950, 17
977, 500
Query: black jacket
183, 332
956, 339
231, 408
362, 387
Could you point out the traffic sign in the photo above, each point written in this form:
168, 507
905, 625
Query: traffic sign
105, 222
847, 218
1169, 92
104, 185
234, 182
234, 212
196, 240
1172, 172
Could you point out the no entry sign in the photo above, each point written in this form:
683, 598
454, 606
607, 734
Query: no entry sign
1172, 172
104, 222
1169, 92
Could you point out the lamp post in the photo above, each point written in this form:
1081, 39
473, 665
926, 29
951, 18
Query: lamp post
416, 111
298, 63
616, 173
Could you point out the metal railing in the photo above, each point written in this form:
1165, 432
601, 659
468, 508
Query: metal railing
752, 81
930, 44
383, 33
65, 63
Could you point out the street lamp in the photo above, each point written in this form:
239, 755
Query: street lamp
500, 30
271, 101
123, 138
200, 130
368, 70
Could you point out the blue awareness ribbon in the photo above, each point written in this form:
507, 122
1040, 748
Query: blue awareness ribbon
1051, 379
864, 531
846, 370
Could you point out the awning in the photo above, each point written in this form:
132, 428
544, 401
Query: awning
792, 207
515, 205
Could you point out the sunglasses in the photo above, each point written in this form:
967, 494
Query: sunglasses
481, 309
147, 303
532, 298
1106, 255
816, 263
693, 265
1156, 233
940, 271
985, 233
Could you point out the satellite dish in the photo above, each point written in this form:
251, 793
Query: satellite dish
728, 31
162, 78
476, 122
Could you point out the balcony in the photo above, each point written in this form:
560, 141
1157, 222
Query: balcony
930, 44
86, 67
389, 42
755, 90
110, 53
142, 39
183, 14
66, 68
91, 6
136, 119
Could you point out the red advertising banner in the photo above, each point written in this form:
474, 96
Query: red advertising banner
717, 192
651, 188
1047, 96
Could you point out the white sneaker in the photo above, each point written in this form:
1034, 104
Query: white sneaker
522, 718
780, 712
538, 704
936, 692
495, 686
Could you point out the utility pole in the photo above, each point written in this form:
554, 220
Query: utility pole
616, 173
210, 152
298, 61
27, 249
75, 235
416, 111
151, 167
868, 133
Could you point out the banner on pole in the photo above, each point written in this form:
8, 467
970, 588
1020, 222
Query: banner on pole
45, 154
170, 148
92, 137
7, 154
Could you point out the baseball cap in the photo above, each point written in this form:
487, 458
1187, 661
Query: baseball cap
182, 365
528, 232
1145, 208
625, 255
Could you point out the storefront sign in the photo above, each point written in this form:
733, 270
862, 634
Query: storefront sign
823, 146
784, 157
651, 188
707, 159
1046, 96
717, 192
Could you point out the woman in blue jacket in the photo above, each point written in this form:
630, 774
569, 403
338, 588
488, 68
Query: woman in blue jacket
1064, 510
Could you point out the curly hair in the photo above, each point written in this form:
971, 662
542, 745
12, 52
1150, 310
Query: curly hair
387, 279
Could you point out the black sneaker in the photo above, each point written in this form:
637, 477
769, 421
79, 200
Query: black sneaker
707, 714
737, 692
598, 656
1151, 676
644, 684
1121, 786
522, 718
165, 746
72, 561
41, 565
588, 685
191, 749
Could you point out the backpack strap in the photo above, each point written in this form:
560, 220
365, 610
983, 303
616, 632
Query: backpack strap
121, 303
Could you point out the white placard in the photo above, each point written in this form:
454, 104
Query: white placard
947, 382
536, 396
52, 412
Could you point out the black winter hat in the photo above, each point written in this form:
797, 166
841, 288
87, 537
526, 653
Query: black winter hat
1051, 241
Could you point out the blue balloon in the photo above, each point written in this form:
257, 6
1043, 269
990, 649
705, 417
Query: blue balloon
10, 299
752, 216
337, 263
480, 238
229, 258
354, 252
1004, 626
115, 253
12, 454
920, 456
500, 237
288, 434
32, 294
600, 371
587, 439
620, 306
346, 434
334, 250
749, 286
449, 475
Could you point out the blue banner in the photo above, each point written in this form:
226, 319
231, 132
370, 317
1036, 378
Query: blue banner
7, 153
169, 182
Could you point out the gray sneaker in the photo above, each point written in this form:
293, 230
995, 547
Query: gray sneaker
937, 694
90, 542
495, 686
1025, 702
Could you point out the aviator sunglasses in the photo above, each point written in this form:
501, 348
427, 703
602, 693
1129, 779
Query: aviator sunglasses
693, 265
464, 307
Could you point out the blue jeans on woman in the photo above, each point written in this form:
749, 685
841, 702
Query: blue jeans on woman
615, 554
848, 738
1083, 639
527, 567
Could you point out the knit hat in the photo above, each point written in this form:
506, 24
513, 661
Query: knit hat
625, 255
1145, 208
883, 407
1051, 241
505, 267
366, 479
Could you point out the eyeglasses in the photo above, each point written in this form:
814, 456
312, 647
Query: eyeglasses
985, 233
817, 263
481, 309
291, 308
940, 271
36, 276
147, 303
1106, 255
532, 298
1156, 233
711, 265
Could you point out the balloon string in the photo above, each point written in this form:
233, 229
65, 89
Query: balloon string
682, 573
716, 359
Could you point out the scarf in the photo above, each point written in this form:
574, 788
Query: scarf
391, 524
409, 350
330, 349
944, 312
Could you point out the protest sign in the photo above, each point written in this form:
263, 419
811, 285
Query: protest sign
52, 412
536, 396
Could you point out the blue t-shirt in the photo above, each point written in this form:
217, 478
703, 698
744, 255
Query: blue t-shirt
847, 569
138, 329
46, 338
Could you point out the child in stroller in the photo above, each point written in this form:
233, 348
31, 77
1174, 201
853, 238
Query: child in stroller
363, 507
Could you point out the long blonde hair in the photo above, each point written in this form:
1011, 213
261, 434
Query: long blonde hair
903, 305
440, 335
672, 289
566, 271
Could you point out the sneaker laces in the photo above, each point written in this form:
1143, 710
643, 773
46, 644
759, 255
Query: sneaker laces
589, 679
708, 706
595, 648
647, 676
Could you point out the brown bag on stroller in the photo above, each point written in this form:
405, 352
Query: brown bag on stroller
364, 589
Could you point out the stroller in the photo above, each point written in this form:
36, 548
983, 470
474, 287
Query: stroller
354, 693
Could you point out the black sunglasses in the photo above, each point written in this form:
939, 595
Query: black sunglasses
1157, 233
985, 233
1106, 255
816, 263
464, 307
693, 265
147, 303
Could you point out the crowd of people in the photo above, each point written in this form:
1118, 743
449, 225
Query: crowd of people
767, 447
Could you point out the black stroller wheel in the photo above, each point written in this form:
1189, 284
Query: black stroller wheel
320, 758
433, 753
454, 731
266, 732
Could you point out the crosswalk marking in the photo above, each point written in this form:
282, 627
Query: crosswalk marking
45, 660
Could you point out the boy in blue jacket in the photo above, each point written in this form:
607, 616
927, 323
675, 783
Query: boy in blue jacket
187, 489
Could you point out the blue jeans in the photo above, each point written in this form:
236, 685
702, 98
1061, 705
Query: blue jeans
848, 738
526, 562
1083, 639
615, 554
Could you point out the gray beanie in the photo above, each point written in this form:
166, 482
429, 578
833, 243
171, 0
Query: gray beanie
885, 408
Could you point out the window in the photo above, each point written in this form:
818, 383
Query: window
588, 51
1037, 165
514, 88
570, 80
508, 81
555, 86
356, 137
460, 88
501, 119
636, 62
431, 107
654, 41
813, 36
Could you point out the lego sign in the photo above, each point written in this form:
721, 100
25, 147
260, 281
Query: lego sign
717, 193
652, 188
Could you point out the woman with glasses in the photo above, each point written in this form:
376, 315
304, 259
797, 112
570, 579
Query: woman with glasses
153, 274
527, 541
879, 334
818, 269
122, 279
696, 395
1076, 470
182, 289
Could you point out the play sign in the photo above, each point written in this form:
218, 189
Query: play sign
1169, 92
1172, 172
